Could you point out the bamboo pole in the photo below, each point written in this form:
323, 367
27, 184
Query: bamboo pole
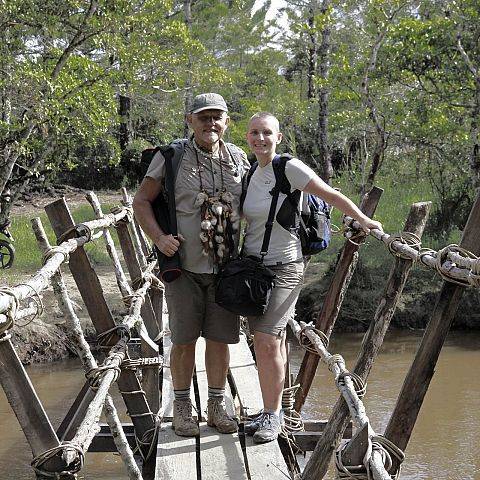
418, 379
41, 279
333, 300
372, 341
127, 201
122, 282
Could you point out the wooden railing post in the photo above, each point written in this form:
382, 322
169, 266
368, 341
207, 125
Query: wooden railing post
27, 406
91, 291
421, 372
150, 379
333, 300
372, 341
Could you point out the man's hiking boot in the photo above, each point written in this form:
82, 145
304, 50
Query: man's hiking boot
268, 429
217, 416
183, 422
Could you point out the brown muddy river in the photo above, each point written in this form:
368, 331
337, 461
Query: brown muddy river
444, 445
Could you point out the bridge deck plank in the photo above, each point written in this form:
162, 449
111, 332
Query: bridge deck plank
220, 455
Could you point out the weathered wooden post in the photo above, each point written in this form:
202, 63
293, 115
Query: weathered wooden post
91, 291
333, 300
150, 380
421, 372
372, 341
27, 406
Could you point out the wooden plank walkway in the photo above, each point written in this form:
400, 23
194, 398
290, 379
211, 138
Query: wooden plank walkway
214, 456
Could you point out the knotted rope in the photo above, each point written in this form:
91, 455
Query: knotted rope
66, 449
38, 302
94, 375
473, 279
11, 311
105, 338
377, 443
54, 250
306, 343
359, 384
80, 230
292, 420
119, 209
405, 238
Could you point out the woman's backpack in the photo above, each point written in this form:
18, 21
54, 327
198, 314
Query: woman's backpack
309, 221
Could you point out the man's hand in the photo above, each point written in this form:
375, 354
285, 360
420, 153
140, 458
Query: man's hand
168, 245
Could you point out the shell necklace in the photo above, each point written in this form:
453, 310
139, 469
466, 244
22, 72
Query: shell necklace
219, 222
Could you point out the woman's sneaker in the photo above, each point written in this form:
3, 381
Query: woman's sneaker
252, 426
268, 429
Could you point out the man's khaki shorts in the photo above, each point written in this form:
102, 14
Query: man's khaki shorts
193, 312
281, 306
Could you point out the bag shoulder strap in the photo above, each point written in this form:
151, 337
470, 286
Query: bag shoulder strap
173, 154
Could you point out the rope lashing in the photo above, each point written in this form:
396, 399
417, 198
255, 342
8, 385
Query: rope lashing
444, 270
142, 363
128, 217
352, 234
80, 230
66, 449
12, 309
148, 439
38, 302
105, 338
359, 384
306, 343
94, 375
292, 420
377, 443
54, 250
406, 238
333, 360
147, 277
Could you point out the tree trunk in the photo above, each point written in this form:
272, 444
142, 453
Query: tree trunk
475, 136
125, 130
312, 49
322, 129
187, 11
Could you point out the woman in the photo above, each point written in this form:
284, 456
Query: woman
284, 258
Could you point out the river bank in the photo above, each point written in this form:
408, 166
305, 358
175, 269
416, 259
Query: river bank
44, 339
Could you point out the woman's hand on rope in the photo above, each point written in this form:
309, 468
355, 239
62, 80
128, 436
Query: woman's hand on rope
368, 224
168, 245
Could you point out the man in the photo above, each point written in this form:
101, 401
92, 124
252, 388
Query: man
210, 172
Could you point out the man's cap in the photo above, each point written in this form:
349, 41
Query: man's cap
208, 101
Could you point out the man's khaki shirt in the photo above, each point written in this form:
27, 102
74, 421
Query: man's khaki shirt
187, 187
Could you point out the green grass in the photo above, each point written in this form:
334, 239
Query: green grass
28, 258
401, 190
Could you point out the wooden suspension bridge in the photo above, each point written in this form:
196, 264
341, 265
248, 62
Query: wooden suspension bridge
147, 445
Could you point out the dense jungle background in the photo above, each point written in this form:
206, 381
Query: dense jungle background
382, 92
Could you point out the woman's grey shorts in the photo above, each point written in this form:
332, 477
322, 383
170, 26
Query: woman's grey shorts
281, 306
192, 311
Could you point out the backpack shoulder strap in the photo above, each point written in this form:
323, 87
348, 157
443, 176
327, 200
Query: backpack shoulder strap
246, 182
279, 162
174, 151
173, 154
